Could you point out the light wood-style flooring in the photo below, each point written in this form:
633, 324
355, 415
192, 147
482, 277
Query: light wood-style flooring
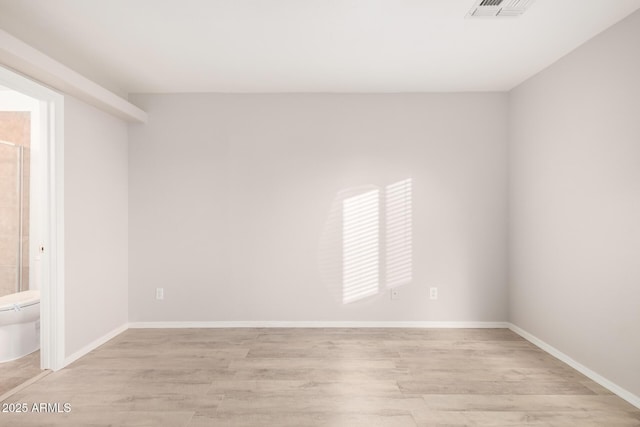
321, 377
14, 373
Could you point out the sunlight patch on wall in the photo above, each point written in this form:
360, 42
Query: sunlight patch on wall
366, 245
398, 234
360, 246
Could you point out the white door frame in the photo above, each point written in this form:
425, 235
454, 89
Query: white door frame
52, 224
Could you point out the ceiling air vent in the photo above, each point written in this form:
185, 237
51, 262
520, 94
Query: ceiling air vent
498, 8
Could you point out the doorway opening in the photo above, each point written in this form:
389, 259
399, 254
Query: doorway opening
31, 224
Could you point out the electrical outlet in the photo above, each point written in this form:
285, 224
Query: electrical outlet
395, 293
159, 293
433, 293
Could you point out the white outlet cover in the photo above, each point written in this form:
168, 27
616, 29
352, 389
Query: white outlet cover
433, 293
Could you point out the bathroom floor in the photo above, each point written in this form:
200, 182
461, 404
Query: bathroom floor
12, 374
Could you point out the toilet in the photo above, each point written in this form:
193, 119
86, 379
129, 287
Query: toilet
19, 325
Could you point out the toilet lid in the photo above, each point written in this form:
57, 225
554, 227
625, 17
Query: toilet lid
20, 299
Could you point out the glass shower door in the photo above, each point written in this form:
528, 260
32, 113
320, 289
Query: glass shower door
13, 240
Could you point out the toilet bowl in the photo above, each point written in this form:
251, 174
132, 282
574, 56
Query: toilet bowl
19, 325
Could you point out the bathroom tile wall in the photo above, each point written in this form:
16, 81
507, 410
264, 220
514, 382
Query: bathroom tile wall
15, 128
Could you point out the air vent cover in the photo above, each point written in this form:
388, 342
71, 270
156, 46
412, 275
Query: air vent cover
499, 8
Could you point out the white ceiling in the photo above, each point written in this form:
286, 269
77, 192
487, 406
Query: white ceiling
304, 45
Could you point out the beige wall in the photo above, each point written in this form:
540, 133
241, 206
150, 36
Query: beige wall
575, 205
14, 128
230, 194
95, 169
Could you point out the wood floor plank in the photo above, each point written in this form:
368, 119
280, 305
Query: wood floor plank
494, 388
525, 418
310, 363
306, 388
536, 403
107, 418
286, 419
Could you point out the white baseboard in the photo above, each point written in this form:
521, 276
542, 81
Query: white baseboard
95, 344
613, 387
317, 324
